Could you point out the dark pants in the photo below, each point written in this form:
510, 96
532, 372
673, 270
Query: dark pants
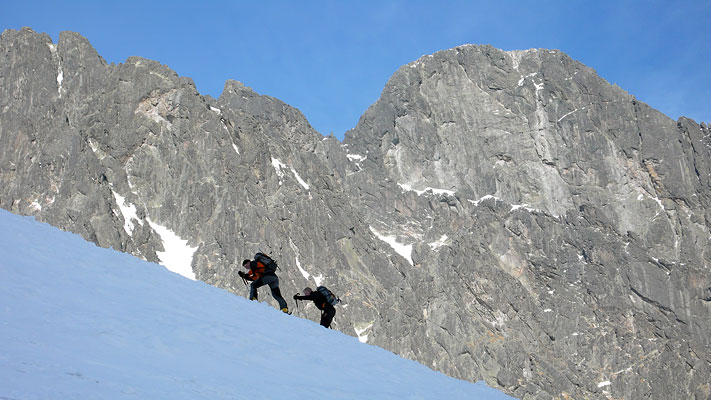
327, 315
273, 283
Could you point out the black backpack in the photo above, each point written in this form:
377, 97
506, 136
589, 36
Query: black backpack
269, 264
331, 298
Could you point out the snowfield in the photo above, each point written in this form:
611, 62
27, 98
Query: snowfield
81, 322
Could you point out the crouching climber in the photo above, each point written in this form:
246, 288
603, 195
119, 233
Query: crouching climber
324, 300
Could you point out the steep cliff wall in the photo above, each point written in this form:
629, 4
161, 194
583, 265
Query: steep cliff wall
507, 216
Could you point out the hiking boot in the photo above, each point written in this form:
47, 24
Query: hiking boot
285, 310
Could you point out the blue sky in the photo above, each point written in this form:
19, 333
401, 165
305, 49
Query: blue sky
331, 59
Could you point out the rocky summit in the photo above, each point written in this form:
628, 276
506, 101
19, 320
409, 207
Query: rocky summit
505, 216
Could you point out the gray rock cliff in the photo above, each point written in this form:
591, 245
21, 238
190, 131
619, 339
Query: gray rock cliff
506, 216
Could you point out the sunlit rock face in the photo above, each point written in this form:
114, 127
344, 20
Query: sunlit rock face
507, 216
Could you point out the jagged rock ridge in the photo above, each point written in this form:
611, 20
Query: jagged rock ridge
507, 216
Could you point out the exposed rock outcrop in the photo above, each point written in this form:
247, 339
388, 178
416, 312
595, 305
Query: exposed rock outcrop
507, 216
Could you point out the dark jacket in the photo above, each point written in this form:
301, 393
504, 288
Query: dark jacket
318, 299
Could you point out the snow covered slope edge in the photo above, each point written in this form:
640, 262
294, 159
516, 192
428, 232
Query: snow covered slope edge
76, 323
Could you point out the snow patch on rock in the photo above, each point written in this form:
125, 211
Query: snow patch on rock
178, 255
405, 250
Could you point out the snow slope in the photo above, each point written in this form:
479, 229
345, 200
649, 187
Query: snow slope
81, 322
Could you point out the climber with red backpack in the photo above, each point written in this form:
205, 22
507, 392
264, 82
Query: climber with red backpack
262, 271
324, 300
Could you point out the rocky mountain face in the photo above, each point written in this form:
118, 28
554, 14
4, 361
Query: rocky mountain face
506, 216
